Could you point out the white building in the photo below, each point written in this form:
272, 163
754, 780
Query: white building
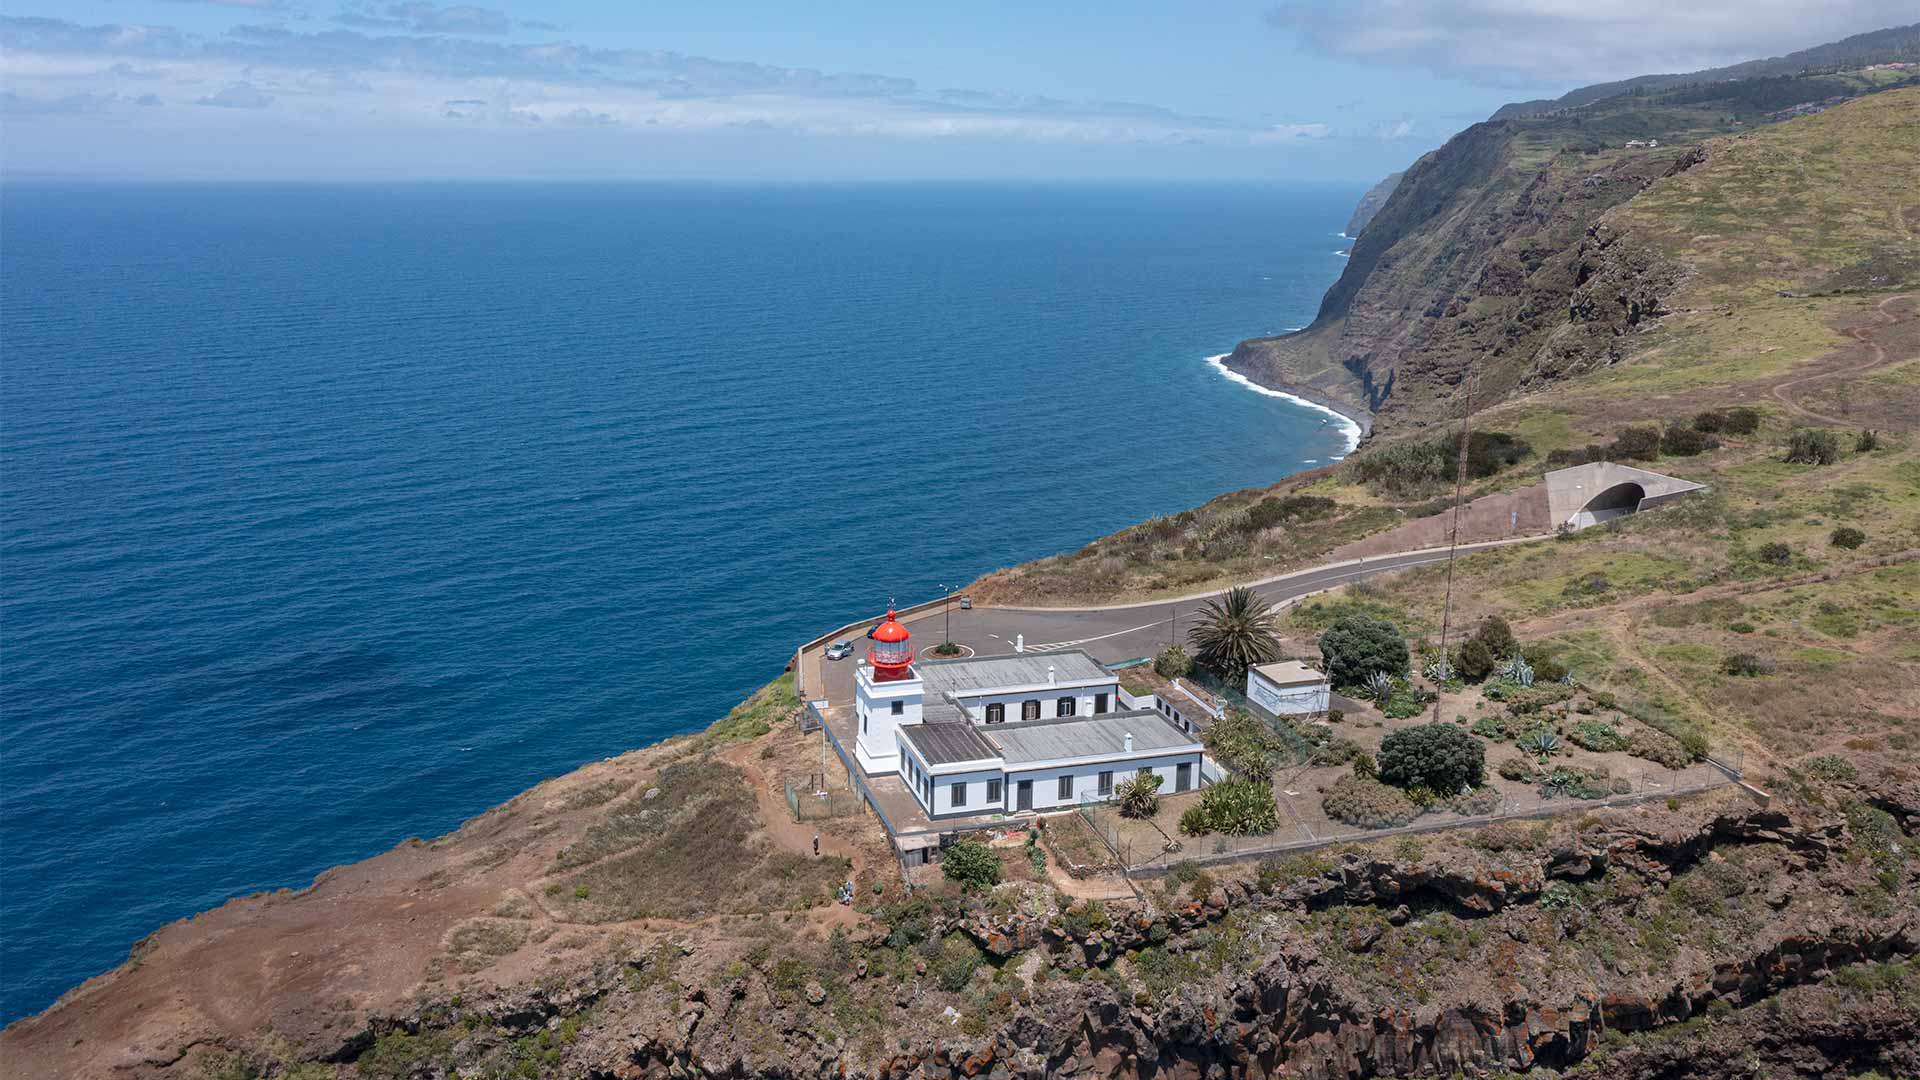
1289, 688
1030, 731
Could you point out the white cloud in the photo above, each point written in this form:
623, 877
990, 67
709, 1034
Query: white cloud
240, 95
1560, 41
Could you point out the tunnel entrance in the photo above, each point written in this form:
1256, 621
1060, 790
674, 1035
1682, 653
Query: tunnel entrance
1617, 501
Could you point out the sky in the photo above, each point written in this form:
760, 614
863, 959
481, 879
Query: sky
1301, 90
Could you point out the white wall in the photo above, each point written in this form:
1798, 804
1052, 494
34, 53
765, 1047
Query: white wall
1047, 696
1287, 700
1086, 787
976, 782
873, 706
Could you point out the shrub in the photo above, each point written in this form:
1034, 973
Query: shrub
1233, 807
1866, 442
1437, 756
1368, 804
1139, 797
1710, 422
1742, 421
1409, 466
1846, 537
971, 864
1660, 748
1491, 641
1684, 442
1775, 552
1546, 668
1746, 664
1247, 746
1832, 767
1598, 736
1173, 663
1813, 446
1517, 769
959, 957
1277, 511
1635, 444
1359, 645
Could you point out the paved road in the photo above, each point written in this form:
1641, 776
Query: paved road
1110, 634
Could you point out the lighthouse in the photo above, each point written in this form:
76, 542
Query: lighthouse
888, 695
892, 651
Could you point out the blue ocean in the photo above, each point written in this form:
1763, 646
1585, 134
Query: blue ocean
331, 516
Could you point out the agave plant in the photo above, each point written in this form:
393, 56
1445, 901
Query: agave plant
1517, 671
1542, 744
1438, 671
1380, 687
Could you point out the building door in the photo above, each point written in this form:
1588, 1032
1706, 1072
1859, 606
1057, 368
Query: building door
1023, 796
1183, 777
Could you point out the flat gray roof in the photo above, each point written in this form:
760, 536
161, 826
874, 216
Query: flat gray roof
1104, 735
976, 673
948, 742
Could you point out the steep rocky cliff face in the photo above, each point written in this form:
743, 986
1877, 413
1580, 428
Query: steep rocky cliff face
1490, 258
1370, 203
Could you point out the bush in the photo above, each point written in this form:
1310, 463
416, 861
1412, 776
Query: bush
1635, 444
1775, 552
1139, 797
1233, 807
1409, 466
1746, 664
1491, 642
1245, 745
1277, 511
971, 864
1368, 804
1598, 736
1437, 756
959, 957
1813, 446
1173, 663
1517, 769
1660, 748
1742, 421
1866, 442
1849, 538
1359, 645
1684, 442
1710, 422
1546, 669
1832, 767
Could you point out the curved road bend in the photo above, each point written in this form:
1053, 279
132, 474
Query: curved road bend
1110, 633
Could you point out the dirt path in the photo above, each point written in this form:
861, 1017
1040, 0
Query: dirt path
1876, 356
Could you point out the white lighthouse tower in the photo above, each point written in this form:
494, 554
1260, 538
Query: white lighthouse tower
888, 696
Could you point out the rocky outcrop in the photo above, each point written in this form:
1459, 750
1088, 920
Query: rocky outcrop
1370, 204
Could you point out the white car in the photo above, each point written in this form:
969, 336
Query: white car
839, 650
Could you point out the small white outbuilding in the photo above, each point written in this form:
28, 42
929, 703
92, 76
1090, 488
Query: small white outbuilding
1288, 688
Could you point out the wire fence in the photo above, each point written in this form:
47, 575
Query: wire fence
1148, 847
811, 799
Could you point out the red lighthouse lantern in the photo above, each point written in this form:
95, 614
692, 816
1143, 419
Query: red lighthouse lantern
892, 651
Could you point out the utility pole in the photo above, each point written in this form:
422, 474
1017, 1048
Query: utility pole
1453, 530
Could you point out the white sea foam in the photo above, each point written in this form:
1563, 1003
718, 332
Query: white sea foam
1344, 254
1334, 416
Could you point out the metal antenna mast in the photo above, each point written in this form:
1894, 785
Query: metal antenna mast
1453, 530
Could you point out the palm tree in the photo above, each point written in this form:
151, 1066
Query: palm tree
1234, 633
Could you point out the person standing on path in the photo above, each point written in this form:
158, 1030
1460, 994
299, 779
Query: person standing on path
816, 845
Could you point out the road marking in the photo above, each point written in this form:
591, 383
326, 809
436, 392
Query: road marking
1052, 645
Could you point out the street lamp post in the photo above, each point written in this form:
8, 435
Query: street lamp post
948, 605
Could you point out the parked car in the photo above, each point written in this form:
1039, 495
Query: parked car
966, 603
839, 650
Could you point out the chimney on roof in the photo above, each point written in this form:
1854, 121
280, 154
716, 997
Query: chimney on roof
1052, 676
1129, 742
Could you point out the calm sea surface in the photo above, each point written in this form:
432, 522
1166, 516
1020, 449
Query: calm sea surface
334, 515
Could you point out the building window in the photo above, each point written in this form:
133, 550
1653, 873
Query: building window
1030, 709
1063, 707
1099, 704
993, 791
1066, 788
1106, 783
960, 793
996, 713
899, 708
